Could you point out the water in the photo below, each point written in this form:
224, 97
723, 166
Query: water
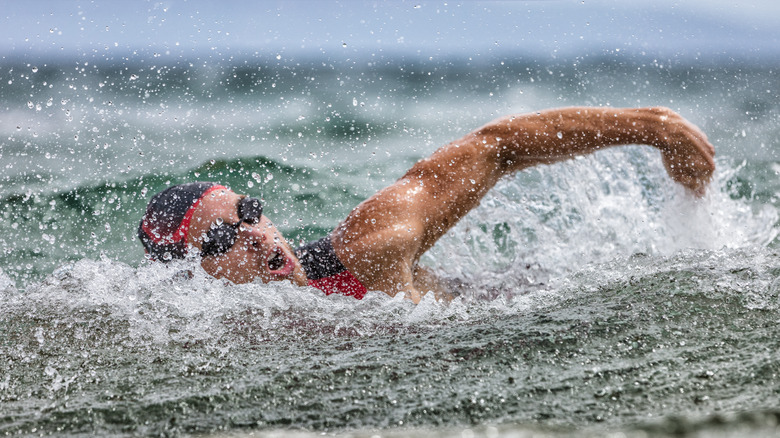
600, 297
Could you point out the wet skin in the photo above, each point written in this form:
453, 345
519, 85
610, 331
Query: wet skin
260, 250
383, 238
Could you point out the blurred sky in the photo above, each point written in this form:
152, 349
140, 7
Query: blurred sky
553, 28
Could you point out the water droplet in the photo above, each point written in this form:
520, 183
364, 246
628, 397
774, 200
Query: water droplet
35, 69
560, 135
344, 45
250, 184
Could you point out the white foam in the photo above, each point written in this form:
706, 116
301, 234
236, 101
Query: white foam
553, 220
156, 304
7, 285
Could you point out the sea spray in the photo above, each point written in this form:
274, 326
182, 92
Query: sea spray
592, 294
550, 221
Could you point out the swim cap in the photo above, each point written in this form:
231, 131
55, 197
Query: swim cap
163, 229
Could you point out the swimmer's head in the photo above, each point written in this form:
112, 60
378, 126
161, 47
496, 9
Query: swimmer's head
234, 239
165, 226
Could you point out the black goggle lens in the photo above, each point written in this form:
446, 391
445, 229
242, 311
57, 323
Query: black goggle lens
250, 210
220, 238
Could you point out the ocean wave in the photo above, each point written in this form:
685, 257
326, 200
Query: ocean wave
138, 346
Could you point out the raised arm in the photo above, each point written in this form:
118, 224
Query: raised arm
554, 135
383, 238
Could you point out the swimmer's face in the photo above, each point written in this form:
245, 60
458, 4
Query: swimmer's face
259, 250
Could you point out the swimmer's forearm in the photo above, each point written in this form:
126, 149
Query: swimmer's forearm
559, 134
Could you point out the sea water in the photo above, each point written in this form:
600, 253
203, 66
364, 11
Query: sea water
600, 297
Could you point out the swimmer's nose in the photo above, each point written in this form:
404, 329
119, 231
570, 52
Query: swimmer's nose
254, 235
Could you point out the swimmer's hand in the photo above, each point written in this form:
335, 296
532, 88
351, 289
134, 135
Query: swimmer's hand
687, 155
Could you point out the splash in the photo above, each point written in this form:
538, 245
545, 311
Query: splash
551, 221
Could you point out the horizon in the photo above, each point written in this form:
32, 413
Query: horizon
553, 29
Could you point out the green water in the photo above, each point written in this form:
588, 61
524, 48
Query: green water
599, 296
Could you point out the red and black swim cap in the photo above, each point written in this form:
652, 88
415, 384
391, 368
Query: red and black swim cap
163, 229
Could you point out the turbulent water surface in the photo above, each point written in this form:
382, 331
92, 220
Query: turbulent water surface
599, 296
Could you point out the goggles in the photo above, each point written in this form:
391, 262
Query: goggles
221, 237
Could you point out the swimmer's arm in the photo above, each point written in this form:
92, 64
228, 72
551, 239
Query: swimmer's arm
383, 238
549, 136
439, 190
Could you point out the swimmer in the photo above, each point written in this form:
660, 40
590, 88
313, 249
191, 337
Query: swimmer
378, 246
